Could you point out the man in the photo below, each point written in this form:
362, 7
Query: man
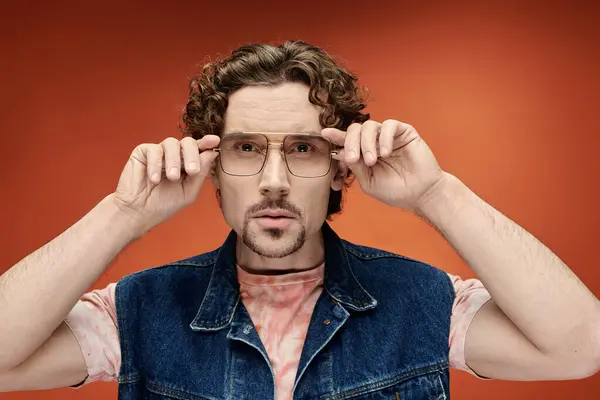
285, 308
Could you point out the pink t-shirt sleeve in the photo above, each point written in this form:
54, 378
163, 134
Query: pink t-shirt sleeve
93, 321
471, 295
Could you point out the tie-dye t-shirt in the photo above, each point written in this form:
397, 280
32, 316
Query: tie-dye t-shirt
280, 307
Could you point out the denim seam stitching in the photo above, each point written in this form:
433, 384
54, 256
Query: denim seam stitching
387, 382
221, 323
378, 254
442, 387
178, 394
361, 305
128, 378
330, 362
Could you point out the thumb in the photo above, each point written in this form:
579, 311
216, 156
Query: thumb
193, 183
362, 172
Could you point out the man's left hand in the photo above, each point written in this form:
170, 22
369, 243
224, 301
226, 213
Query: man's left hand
390, 160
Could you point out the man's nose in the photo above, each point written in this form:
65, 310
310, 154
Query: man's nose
274, 180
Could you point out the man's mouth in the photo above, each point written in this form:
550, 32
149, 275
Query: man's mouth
274, 219
274, 214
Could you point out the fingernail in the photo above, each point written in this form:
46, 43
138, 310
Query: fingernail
173, 171
351, 155
384, 150
193, 166
155, 177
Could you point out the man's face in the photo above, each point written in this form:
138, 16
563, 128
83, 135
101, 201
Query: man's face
297, 205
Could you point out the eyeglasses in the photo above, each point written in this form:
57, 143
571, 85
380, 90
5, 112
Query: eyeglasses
305, 155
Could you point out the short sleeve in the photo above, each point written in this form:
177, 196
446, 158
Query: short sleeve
93, 321
470, 296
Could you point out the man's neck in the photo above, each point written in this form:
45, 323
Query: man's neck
309, 256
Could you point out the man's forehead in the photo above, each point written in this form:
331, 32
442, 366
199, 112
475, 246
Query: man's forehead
282, 108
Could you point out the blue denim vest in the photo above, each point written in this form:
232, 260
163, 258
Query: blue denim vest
379, 330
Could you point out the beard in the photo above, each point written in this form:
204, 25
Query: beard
275, 249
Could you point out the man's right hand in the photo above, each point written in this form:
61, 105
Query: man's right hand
38, 350
161, 179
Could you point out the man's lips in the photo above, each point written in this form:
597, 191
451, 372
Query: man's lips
274, 214
274, 218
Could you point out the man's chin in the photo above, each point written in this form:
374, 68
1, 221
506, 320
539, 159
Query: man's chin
273, 242
273, 236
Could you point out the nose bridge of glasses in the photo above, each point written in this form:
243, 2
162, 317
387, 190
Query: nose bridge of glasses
275, 144
277, 156
275, 169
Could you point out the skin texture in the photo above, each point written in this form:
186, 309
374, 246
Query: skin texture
298, 246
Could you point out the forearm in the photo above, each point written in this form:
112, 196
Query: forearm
37, 293
529, 283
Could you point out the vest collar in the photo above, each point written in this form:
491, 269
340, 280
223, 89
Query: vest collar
222, 296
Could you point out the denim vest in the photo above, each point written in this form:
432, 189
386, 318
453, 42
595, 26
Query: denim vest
379, 330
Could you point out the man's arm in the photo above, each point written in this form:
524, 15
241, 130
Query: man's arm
38, 292
542, 322
57, 363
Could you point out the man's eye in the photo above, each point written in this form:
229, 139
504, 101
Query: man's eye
245, 147
302, 148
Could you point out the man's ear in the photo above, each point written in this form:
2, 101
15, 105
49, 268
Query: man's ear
340, 175
213, 175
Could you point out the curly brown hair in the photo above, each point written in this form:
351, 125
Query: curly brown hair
332, 87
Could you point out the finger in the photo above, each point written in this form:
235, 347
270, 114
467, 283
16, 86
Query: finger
336, 136
193, 183
153, 153
191, 155
206, 160
172, 155
190, 149
208, 142
363, 173
342, 167
352, 143
339, 155
389, 128
368, 142
404, 135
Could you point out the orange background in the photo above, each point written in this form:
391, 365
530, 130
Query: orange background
506, 96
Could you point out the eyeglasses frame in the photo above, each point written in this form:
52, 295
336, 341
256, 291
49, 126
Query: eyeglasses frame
266, 135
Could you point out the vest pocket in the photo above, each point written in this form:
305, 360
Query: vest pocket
158, 392
424, 387
427, 386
